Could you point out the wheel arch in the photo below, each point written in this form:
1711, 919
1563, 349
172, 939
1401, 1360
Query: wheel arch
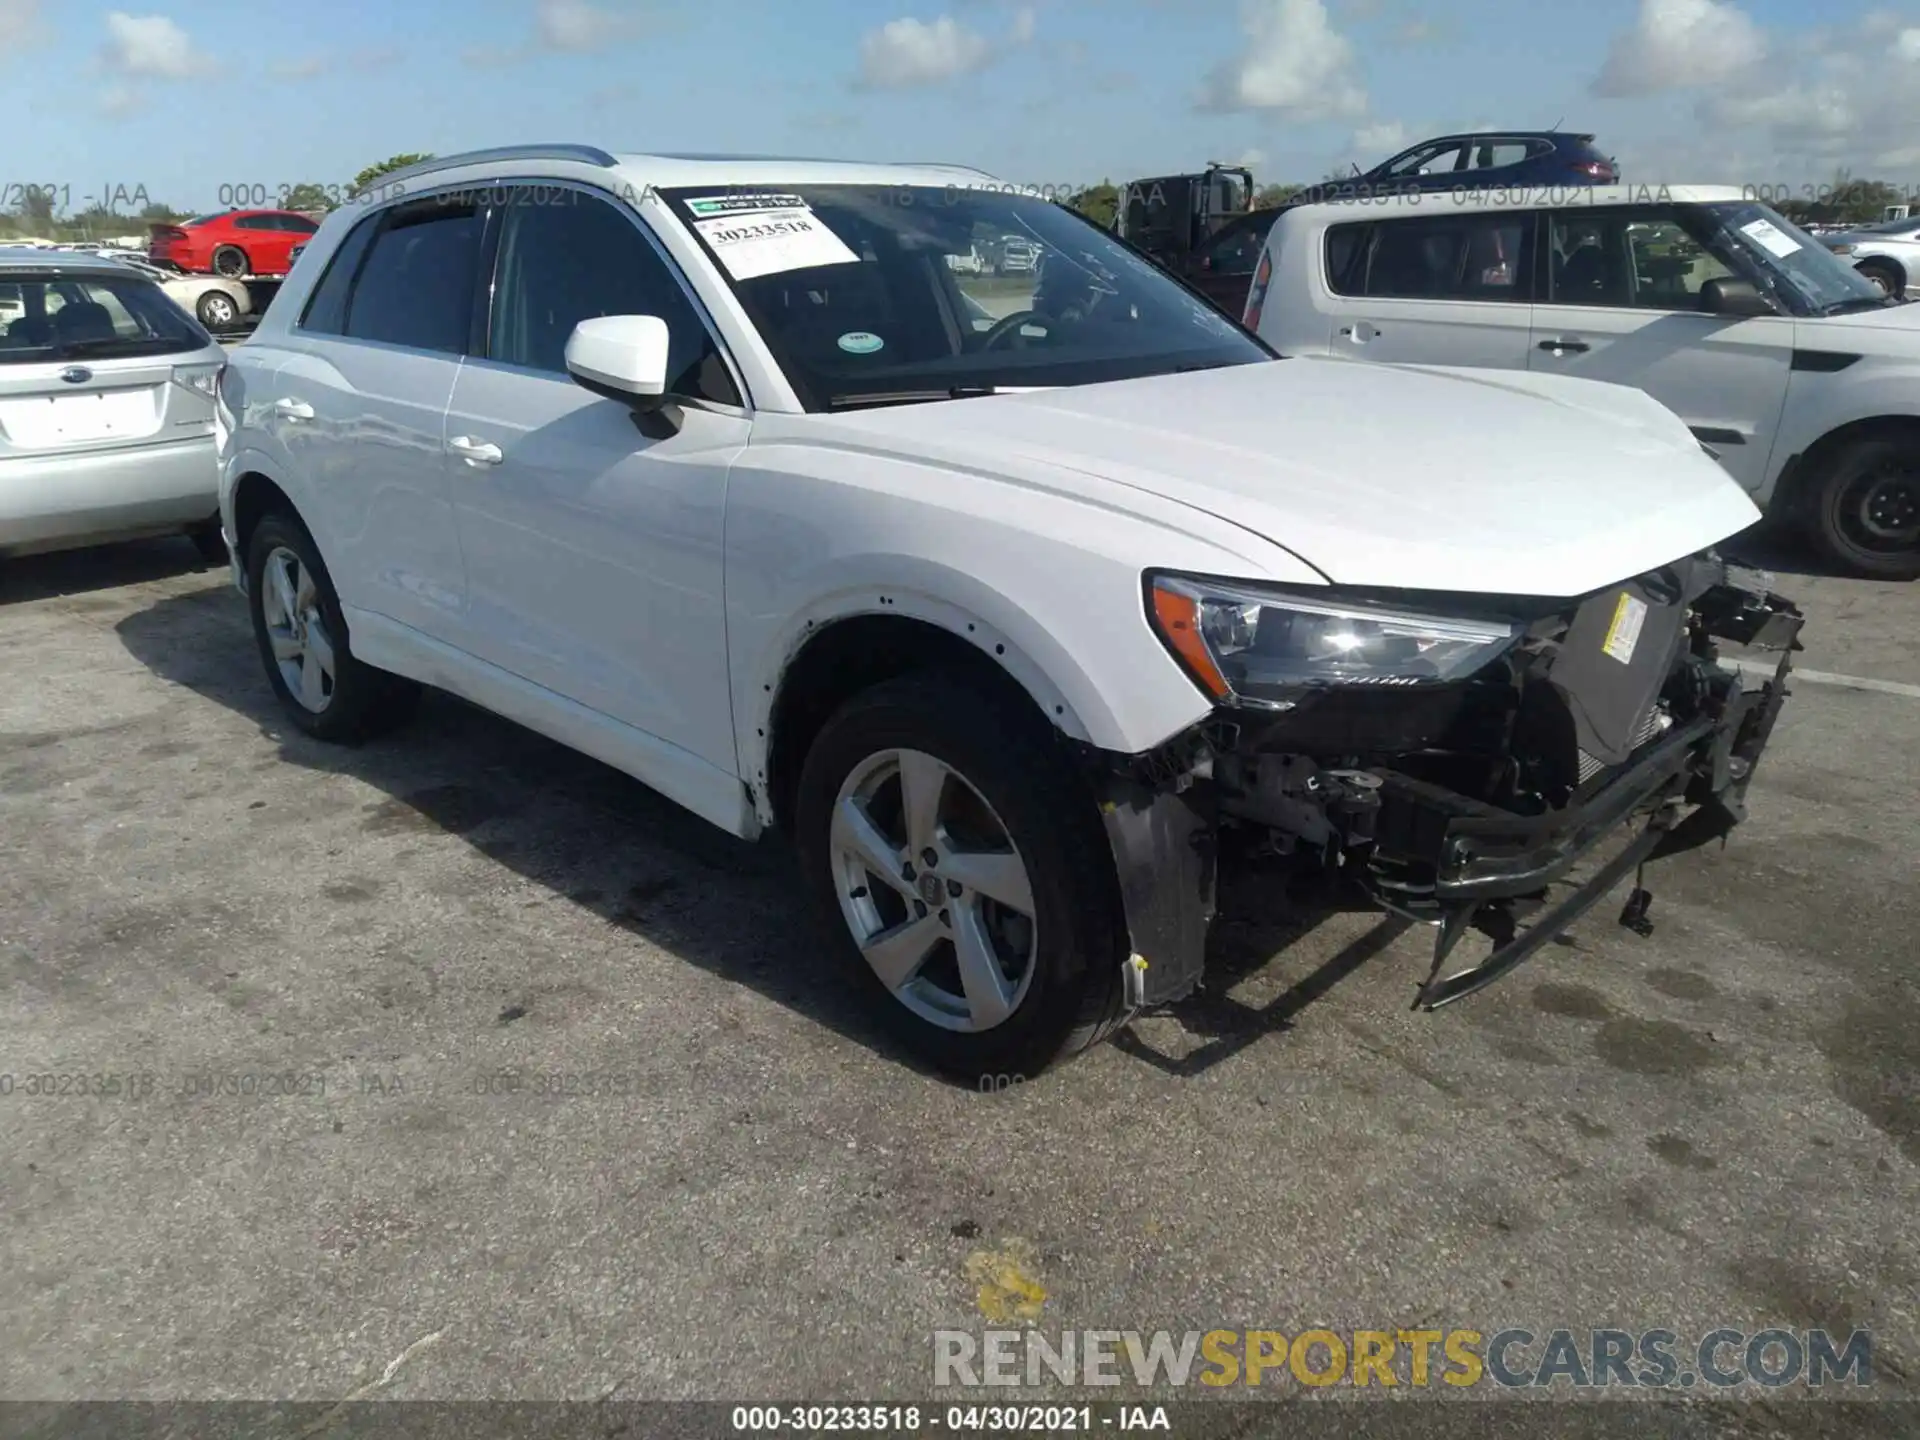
255, 494
1803, 471
833, 655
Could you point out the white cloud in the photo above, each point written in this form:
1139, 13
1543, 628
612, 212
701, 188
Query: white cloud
152, 45
1385, 137
1293, 63
20, 23
907, 53
575, 25
1678, 44
1907, 45
1251, 158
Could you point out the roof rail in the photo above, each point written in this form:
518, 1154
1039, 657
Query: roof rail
580, 154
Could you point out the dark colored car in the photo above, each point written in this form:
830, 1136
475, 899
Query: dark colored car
1222, 268
1485, 160
233, 243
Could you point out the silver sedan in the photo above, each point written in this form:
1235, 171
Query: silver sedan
1887, 254
108, 392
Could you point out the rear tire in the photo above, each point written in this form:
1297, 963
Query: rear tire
303, 641
1888, 277
1008, 811
210, 543
1863, 508
231, 262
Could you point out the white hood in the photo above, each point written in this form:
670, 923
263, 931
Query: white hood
1473, 480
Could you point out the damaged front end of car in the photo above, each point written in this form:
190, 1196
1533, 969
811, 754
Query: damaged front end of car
1456, 756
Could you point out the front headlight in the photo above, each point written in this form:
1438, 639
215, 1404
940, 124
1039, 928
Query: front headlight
1245, 645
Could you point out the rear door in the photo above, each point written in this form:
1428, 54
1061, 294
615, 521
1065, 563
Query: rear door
1439, 287
1621, 303
360, 408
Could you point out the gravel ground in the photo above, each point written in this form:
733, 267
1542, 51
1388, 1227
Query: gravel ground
750, 1195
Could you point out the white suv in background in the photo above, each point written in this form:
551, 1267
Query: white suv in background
1801, 374
1024, 615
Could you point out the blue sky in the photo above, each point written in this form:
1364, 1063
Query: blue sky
184, 97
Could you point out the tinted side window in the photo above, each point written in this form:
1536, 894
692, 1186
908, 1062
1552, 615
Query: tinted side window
1346, 256
416, 285
1236, 250
1451, 257
566, 256
298, 224
326, 312
255, 222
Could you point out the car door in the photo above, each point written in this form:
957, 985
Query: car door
360, 406
594, 542
1437, 287
1223, 266
1621, 302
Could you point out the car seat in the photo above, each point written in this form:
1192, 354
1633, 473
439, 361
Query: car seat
83, 321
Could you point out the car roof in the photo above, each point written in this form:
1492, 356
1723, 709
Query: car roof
1519, 197
25, 257
1574, 135
675, 169
670, 171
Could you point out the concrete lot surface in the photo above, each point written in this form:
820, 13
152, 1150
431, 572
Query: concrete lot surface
746, 1194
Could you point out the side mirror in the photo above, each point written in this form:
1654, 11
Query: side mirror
1731, 296
623, 357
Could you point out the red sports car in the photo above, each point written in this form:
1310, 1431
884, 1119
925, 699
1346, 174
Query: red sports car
233, 243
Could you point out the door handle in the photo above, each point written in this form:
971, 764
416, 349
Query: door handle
475, 452
1577, 347
293, 409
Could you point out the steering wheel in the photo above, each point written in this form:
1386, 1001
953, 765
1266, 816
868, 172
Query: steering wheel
1008, 325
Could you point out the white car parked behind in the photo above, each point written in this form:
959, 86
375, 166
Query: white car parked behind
1800, 374
1022, 626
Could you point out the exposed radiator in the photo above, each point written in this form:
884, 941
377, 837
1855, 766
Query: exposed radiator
1651, 724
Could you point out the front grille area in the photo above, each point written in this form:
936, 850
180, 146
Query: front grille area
1651, 724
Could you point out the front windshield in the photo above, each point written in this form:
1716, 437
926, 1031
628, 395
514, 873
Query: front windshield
872, 294
1801, 272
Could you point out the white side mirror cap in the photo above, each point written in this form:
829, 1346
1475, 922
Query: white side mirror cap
620, 355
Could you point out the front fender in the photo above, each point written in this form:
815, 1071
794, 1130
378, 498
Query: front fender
1046, 585
1819, 403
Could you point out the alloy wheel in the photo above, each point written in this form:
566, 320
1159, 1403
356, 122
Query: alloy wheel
934, 890
302, 647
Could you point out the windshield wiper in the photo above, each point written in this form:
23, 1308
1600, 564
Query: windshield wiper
909, 397
1859, 302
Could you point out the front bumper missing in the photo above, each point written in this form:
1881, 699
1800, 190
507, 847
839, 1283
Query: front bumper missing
1480, 868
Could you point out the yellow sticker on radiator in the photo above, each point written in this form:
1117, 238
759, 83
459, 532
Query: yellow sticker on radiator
1624, 633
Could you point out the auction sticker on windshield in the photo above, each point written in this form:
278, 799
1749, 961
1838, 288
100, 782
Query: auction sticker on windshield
754, 235
1770, 236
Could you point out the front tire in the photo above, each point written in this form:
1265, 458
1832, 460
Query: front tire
1864, 508
216, 310
1888, 277
304, 645
962, 868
